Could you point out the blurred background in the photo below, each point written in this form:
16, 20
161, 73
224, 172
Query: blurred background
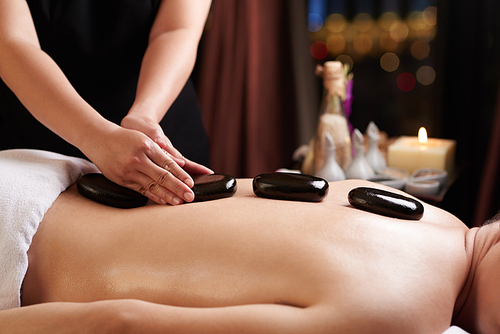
432, 63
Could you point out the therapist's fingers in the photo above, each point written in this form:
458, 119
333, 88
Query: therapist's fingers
194, 168
169, 166
152, 190
163, 188
165, 173
169, 147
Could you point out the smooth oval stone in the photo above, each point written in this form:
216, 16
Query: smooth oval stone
97, 187
290, 186
213, 186
386, 203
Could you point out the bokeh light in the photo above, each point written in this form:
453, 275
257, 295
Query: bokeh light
319, 50
414, 20
406, 81
386, 20
335, 23
426, 75
426, 32
345, 59
363, 22
387, 43
420, 49
389, 37
429, 15
399, 31
389, 62
362, 43
336, 43
349, 32
315, 22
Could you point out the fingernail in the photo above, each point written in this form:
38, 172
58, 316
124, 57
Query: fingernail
162, 201
177, 201
188, 196
189, 182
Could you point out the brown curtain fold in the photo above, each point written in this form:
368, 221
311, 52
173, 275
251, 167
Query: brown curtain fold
246, 88
488, 200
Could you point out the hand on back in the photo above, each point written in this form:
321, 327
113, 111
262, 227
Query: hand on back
132, 159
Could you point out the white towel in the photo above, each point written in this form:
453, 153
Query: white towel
454, 330
30, 181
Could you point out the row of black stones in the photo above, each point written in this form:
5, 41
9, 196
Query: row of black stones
281, 186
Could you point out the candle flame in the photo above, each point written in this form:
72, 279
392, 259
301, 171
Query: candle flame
422, 135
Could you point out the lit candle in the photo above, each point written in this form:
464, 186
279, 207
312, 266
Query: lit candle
412, 153
422, 136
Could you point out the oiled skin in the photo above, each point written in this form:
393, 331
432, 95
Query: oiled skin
363, 268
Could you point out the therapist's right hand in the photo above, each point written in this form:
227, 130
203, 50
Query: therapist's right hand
131, 159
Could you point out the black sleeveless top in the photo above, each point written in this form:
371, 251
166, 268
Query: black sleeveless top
99, 45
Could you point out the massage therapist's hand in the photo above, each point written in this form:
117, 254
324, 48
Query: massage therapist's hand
131, 159
153, 130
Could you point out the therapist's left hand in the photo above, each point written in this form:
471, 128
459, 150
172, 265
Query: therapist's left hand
153, 130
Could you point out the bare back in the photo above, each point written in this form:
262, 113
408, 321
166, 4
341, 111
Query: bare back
249, 250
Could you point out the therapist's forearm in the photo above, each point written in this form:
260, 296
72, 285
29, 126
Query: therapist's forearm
170, 56
166, 67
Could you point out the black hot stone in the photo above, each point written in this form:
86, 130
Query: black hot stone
213, 186
98, 188
290, 186
386, 203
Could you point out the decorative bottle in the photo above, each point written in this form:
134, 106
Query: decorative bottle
332, 118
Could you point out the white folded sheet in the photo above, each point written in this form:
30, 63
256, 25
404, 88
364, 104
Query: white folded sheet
30, 181
454, 330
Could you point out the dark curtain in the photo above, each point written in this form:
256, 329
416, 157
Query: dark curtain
469, 69
252, 72
488, 202
488, 199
